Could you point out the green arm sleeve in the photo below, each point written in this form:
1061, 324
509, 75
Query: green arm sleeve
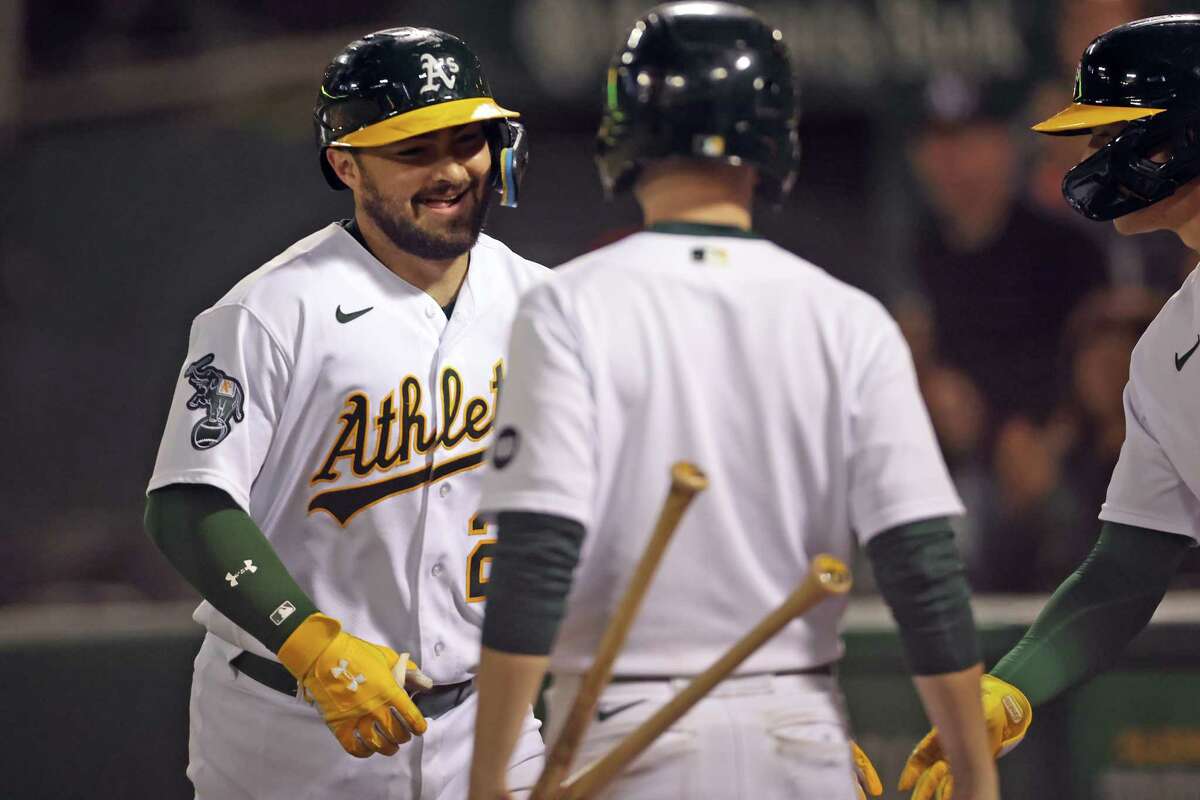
923, 581
1094, 613
214, 543
531, 575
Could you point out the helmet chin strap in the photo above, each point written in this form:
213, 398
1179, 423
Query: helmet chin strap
1120, 178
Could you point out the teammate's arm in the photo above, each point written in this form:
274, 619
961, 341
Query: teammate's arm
922, 579
1095, 612
208, 537
540, 495
527, 591
1088, 621
508, 684
951, 702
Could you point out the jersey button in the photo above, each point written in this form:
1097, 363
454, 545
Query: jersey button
437, 570
429, 311
438, 649
444, 490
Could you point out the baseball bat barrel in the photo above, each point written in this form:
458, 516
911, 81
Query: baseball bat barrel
686, 482
827, 577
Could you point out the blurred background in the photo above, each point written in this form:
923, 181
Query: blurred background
154, 151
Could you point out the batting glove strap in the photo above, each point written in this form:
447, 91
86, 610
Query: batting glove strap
300, 650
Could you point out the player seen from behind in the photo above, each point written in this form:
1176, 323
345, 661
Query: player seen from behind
697, 340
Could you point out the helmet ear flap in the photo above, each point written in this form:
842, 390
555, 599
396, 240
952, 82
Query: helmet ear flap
510, 157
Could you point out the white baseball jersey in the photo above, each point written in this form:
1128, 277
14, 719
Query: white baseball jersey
1156, 483
795, 394
337, 405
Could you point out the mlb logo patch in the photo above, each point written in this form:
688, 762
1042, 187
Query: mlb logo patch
284, 611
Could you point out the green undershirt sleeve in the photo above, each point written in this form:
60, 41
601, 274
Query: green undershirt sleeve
530, 578
923, 581
214, 544
1094, 614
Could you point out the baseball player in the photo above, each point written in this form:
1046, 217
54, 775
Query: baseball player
318, 477
697, 340
1137, 95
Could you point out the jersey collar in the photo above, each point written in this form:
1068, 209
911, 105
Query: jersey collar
701, 229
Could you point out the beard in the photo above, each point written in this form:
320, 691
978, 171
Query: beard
456, 238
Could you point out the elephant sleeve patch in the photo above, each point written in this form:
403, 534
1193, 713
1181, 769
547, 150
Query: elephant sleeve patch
221, 397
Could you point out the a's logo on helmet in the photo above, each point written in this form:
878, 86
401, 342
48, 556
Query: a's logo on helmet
438, 69
222, 398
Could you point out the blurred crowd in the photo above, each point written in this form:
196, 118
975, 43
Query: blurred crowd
1020, 314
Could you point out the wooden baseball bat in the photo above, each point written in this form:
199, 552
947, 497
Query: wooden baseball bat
686, 482
826, 577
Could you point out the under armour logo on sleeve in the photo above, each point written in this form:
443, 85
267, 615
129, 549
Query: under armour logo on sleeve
233, 578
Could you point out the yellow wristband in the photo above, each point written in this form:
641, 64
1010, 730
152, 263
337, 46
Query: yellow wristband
301, 649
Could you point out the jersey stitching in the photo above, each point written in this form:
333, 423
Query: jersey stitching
263, 325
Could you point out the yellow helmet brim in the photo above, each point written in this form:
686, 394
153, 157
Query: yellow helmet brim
424, 120
1081, 118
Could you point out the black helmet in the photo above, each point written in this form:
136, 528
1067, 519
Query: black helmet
703, 80
1145, 73
404, 82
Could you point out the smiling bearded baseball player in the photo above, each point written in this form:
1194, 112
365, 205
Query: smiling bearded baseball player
696, 340
1137, 96
317, 479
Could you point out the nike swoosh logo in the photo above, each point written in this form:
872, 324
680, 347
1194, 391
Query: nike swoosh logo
605, 713
1180, 360
343, 317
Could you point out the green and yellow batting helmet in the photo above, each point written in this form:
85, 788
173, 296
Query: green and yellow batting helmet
403, 82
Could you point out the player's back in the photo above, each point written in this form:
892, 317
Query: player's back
736, 355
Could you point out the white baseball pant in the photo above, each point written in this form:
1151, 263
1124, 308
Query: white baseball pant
756, 737
251, 742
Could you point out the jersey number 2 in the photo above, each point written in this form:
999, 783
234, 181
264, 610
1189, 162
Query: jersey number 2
479, 563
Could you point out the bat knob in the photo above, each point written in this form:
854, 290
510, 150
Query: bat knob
687, 476
832, 573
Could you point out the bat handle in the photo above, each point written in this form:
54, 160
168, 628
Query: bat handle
687, 480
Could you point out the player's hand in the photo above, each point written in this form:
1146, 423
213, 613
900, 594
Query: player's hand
868, 778
1007, 714
358, 686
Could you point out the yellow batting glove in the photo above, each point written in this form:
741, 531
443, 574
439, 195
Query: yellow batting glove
358, 686
868, 778
1007, 715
